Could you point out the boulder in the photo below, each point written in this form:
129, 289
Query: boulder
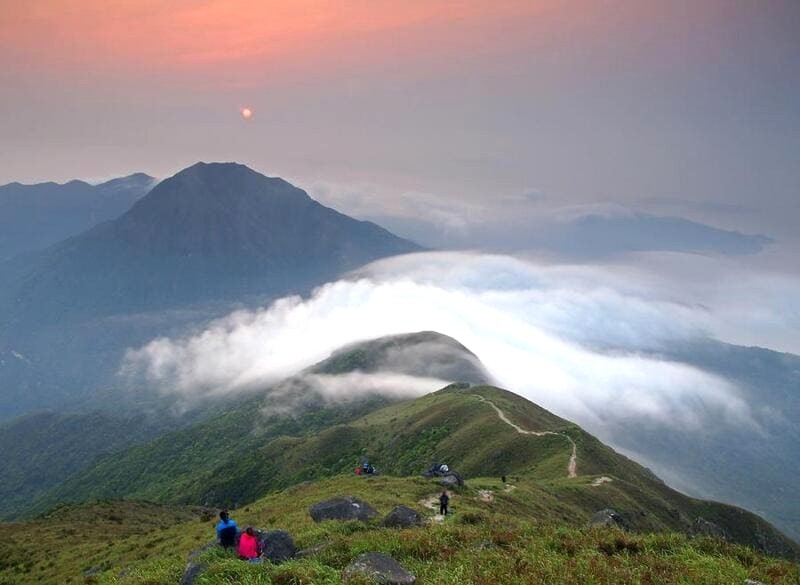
752, 582
379, 568
451, 480
345, 508
277, 545
702, 527
402, 517
609, 518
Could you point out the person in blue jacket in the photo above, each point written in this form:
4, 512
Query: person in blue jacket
226, 530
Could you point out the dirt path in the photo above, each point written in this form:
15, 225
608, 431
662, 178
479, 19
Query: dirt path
486, 496
433, 504
572, 466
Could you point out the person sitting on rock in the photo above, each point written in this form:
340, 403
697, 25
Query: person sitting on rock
226, 530
249, 546
444, 499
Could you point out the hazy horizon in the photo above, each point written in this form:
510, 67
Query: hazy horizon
685, 108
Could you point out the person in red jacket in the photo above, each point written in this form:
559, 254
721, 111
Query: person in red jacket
248, 546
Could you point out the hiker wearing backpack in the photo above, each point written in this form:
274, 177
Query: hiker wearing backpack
444, 499
227, 530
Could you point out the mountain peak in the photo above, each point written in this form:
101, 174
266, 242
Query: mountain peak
212, 231
203, 186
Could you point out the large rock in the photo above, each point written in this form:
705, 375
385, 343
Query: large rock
451, 480
379, 568
402, 517
608, 517
346, 508
278, 545
447, 478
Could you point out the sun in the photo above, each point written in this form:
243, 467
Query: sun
247, 113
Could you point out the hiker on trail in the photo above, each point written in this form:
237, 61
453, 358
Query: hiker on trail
248, 546
444, 499
226, 530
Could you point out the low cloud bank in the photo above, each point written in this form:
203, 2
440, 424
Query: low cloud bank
576, 340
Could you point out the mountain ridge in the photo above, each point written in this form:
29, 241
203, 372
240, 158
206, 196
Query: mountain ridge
212, 238
35, 216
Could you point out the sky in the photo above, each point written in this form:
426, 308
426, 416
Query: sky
682, 107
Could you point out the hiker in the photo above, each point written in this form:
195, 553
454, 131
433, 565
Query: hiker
444, 499
359, 470
226, 530
248, 546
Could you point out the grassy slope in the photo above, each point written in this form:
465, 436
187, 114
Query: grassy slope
527, 535
179, 467
184, 466
58, 548
40, 450
402, 439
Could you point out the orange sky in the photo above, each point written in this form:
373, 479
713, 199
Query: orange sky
585, 99
131, 35
243, 42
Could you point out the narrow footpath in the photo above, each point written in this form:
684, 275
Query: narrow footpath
572, 466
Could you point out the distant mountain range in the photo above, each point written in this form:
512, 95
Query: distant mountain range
33, 217
208, 238
583, 235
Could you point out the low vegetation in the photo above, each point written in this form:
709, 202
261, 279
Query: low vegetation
514, 538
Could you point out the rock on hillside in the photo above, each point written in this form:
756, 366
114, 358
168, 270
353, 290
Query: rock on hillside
343, 508
378, 568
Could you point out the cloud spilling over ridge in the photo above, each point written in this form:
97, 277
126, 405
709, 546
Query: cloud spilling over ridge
355, 385
571, 339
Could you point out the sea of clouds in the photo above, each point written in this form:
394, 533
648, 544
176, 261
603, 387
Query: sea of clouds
582, 341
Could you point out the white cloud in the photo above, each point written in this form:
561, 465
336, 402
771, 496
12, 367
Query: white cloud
568, 338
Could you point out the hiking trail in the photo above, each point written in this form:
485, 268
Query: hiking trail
572, 466
432, 503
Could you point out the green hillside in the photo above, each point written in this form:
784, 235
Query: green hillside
40, 450
526, 532
186, 464
459, 425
